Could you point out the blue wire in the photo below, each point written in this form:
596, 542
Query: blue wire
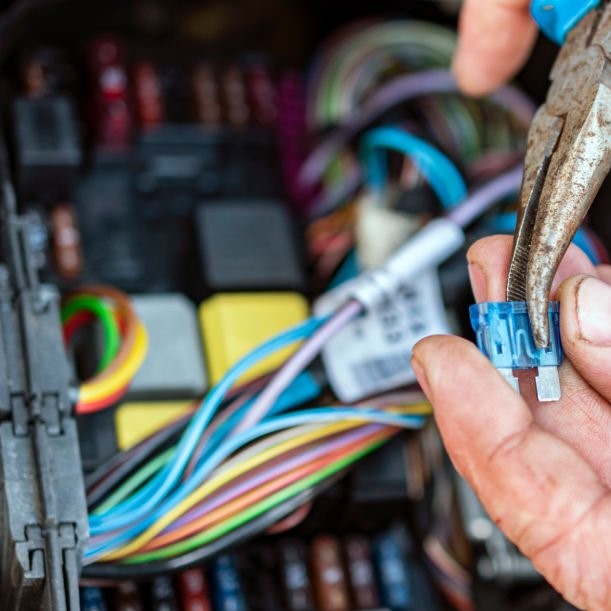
303, 388
307, 416
440, 172
142, 502
506, 223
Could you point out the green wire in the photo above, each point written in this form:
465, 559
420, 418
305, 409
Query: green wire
95, 305
252, 512
135, 481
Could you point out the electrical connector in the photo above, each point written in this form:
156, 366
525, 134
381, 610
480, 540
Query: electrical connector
504, 335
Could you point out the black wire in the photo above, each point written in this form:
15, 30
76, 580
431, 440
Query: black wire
119, 466
113, 572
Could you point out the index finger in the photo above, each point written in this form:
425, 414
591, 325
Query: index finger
495, 39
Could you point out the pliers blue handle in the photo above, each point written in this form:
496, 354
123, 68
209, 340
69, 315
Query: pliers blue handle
557, 18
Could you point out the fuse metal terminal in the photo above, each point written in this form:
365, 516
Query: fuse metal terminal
503, 333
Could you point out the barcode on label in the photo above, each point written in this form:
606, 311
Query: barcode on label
371, 372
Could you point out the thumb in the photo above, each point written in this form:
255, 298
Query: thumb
585, 318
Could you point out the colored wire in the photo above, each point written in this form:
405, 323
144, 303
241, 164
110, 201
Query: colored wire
188, 493
482, 199
110, 571
233, 506
182, 498
106, 477
441, 173
303, 389
125, 311
140, 477
96, 395
355, 63
268, 472
297, 363
239, 469
255, 510
146, 499
107, 320
399, 91
125, 345
74, 323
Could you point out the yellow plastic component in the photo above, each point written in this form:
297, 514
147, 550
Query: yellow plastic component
232, 324
136, 421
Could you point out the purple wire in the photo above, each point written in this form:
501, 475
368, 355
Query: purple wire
482, 199
304, 355
332, 197
275, 471
401, 90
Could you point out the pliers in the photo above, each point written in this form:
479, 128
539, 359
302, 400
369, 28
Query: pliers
568, 154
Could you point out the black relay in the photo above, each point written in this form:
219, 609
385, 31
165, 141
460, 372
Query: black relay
248, 245
48, 148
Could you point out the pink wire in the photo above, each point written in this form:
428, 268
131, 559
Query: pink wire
275, 471
296, 364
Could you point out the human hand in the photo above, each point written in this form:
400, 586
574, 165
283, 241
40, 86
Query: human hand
495, 39
542, 470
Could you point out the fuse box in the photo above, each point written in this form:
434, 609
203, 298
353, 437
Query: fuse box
178, 431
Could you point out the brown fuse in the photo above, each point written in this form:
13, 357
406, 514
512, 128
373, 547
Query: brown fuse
235, 98
329, 577
66, 240
206, 95
127, 597
361, 573
149, 95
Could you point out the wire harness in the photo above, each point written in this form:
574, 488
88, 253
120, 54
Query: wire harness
125, 343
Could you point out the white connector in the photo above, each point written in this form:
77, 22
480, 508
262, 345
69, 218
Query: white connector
428, 248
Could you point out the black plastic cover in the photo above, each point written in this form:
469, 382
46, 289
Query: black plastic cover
248, 245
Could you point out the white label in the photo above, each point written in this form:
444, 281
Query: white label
372, 354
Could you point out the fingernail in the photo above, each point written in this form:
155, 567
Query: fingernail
420, 375
594, 311
478, 281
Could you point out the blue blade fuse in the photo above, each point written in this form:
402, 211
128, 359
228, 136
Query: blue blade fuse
503, 334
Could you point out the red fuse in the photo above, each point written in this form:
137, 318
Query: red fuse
111, 109
207, 96
194, 591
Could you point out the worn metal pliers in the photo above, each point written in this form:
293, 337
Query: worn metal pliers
569, 151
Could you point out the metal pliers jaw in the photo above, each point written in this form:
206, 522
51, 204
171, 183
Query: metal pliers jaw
567, 160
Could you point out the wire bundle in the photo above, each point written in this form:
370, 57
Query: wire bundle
258, 457
362, 55
365, 72
124, 343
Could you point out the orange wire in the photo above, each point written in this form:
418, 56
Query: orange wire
228, 510
127, 312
